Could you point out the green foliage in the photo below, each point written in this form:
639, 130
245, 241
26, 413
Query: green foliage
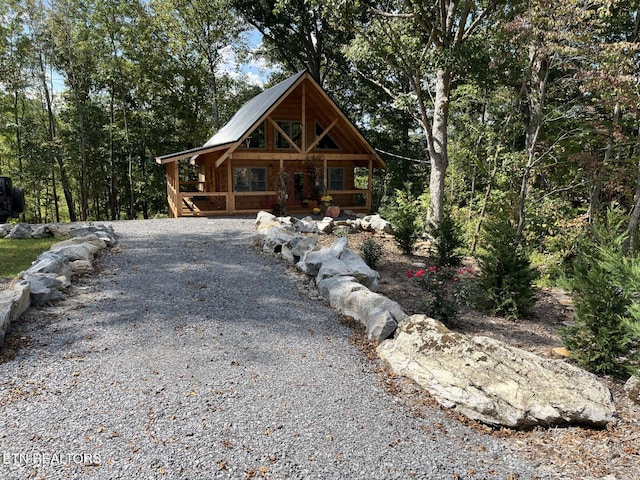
606, 286
340, 232
447, 241
403, 213
506, 273
445, 291
371, 252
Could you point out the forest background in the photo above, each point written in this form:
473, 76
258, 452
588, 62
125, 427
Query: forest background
481, 108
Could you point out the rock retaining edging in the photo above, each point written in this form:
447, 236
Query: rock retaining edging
342, 277
52, 272
480, 377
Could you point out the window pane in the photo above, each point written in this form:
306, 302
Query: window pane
293, 130
336, 178
327, 142
241, 179
258, 179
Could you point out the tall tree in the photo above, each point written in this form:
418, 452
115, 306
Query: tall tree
428, 46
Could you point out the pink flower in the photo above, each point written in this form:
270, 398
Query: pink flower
432, 268
455, 279
420, 272
409, 274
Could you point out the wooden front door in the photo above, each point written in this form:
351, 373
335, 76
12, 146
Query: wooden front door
296, 188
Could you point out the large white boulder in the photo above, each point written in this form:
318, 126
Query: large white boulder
311, 262
298, 246
377, 313
492, 382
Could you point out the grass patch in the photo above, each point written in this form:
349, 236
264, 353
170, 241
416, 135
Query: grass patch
17, 255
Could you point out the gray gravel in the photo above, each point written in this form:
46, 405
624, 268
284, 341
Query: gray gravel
194, 356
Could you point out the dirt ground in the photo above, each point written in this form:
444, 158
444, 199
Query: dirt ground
576, 452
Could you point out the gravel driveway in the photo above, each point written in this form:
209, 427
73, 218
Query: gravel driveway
194, 356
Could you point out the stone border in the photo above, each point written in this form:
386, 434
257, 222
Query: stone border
51, 273
341, 276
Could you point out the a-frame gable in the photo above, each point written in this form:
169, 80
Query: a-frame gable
258, 110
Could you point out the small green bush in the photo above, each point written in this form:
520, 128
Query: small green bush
506, 275
447, 241
403, 213
371, 252
445, 290
606, 290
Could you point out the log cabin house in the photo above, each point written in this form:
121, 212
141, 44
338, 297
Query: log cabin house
289, 144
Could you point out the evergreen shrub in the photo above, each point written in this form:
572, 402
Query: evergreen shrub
606, 293
403, 214
506, 276
371, 252
447, 242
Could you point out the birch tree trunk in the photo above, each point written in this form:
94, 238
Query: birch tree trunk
437, 143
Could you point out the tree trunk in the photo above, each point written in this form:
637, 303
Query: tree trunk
113, 205
535, 104
438, 146
634, 217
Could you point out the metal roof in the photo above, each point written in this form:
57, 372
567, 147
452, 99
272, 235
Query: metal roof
247, 118
252, 111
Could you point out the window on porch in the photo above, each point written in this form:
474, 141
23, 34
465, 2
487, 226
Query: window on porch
335, 178
247, 179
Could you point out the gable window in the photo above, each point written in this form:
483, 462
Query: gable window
256, 139
336, 178
293, 130
247, 179
326, 143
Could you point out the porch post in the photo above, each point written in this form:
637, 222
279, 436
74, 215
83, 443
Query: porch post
231, 198
325, 176
369, 186
173, 190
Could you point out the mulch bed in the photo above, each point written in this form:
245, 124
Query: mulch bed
575, 452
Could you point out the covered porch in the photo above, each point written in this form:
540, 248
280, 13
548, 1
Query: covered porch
199, 188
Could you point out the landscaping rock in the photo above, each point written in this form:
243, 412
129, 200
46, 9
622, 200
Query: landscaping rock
103, 232
14, 301
20, 231
492, 382
276, 237
92, 242
44, 288
306, 225
632, 387
51, 262
376, 223
265, 221
349, 265
76, 252
81, 267
376, 312
41, 231
5, 228
295, 248
325, 225
311, 262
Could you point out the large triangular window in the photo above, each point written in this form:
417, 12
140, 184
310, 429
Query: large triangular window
326, 143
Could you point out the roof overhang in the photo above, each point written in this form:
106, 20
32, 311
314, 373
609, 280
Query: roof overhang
194, 152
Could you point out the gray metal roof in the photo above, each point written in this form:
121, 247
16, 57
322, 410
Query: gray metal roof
245, 119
